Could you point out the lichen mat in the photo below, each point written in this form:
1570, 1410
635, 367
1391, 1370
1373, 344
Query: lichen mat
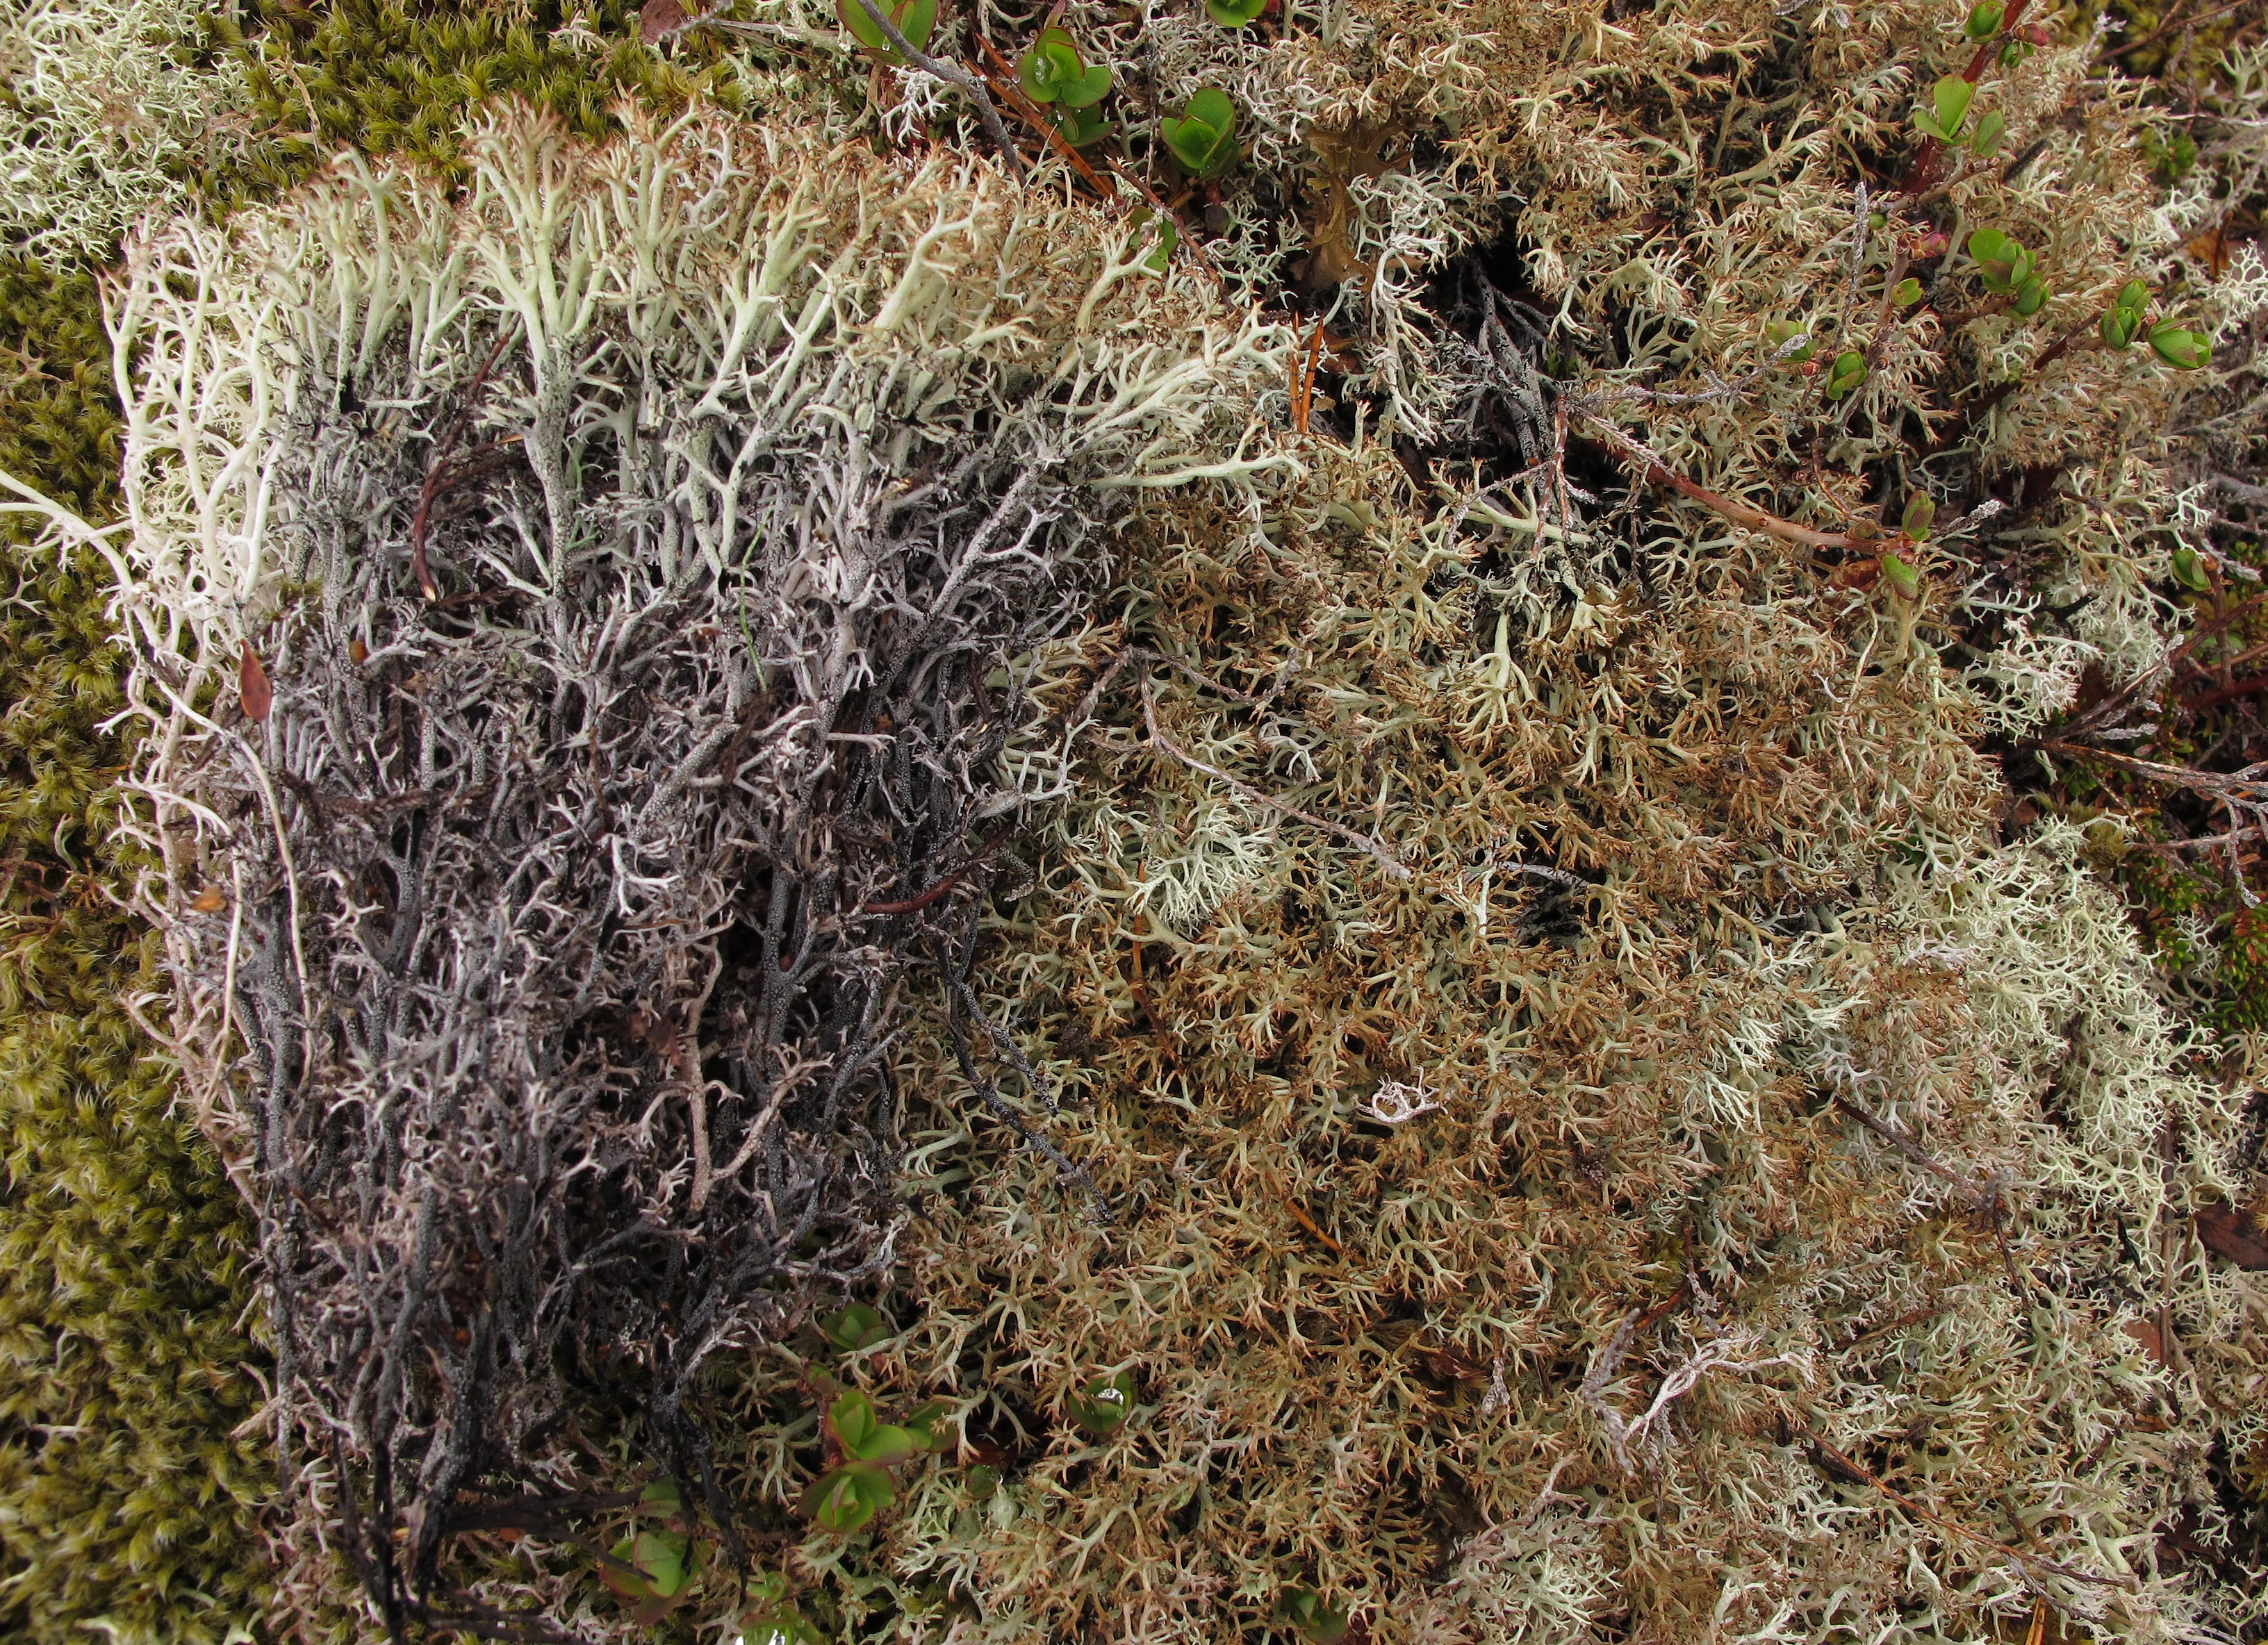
1376, 944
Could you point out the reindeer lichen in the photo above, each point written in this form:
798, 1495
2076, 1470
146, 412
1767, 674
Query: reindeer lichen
1369, 816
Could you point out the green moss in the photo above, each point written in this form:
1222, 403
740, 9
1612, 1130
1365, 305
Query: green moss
126, 1498
400, 75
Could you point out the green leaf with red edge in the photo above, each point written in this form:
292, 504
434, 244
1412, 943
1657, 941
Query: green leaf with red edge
1204, 138
1848, 371
862, 1433
2179, 347
652, 1565
1104, 1403
1049, 66
1780, 332
851, 1419
854, 1326
931, 1423
843, 1498
1919, 515
2001, 263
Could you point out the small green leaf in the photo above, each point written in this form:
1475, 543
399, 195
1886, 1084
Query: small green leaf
1984, 141
2000, 261
780, 1626
662, 1493
1984, 20
662, 1561
2031, 296
913, 18
1949, 101
1051, 65
855, 1327
2123, 320
2179, 347
846, 1498
2173, 157
1908, 294
1090, 88
1080, 126
1921, 513
1234, 13
1313, 1618
853, 1421
1780, 332
1848, 371
1162, 255
885, 1444
1052, 71
2014, 52
1204, 138
931, 1423
2189, 570
1104, 1403
1902, 578
983, 1482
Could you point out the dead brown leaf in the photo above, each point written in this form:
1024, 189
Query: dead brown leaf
2151, 1340
658, 18
252, 684
2234, 1234
2213, 248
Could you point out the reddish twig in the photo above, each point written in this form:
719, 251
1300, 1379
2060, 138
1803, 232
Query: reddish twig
913, 904
435, 475
1303, 380
1309, 1223
2219, 694
1860, 1471
1740, 513
1984, 403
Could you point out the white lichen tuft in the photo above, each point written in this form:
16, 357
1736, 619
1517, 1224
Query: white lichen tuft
109, 104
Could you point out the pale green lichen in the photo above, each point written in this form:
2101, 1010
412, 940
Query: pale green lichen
110, 106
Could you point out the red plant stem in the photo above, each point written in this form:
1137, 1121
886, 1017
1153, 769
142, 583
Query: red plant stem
2230, 693
418, 566
913, 904
1984, 403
